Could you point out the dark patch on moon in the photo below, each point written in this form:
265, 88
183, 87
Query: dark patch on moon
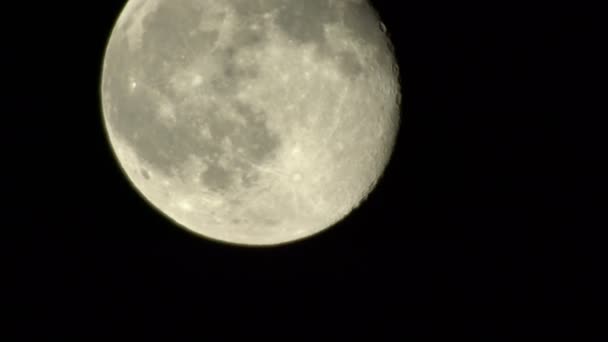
145, 173
171, 40
364, 23
203, 39
247, 36
249, 178
175, 41
348, 64
166, 30
256, 7
216, 177
305, 21
256, 140
168, 147
232, 75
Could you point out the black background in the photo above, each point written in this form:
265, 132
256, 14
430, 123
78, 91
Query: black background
488, 221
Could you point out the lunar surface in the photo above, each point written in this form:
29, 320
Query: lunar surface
253, 122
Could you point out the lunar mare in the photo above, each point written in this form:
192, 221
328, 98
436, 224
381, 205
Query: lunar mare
253, 122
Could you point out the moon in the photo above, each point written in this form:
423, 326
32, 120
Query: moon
251, 122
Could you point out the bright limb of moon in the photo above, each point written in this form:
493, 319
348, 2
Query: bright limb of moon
254, 122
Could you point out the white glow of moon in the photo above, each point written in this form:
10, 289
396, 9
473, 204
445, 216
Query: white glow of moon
254, 122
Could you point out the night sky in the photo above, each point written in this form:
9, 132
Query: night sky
488, 221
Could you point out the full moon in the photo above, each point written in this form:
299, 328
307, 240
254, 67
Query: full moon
251, 122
